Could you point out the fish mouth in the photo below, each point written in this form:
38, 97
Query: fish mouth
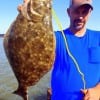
28, 12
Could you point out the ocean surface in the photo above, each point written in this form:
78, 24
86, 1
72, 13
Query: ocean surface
8, 82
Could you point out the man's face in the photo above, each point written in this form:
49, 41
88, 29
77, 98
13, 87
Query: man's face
79, 16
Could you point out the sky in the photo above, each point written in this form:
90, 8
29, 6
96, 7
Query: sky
8, 11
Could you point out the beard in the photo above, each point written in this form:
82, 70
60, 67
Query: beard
78, 24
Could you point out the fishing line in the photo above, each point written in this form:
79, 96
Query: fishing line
67, 48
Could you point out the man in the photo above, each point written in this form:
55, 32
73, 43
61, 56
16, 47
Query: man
76, 70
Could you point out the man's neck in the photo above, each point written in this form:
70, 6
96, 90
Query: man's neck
78, 33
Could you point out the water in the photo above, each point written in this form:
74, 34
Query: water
8, 82
2, 54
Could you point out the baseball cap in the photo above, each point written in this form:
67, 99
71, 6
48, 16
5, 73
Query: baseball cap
77, 3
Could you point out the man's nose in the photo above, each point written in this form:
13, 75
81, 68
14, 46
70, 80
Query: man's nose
80, 15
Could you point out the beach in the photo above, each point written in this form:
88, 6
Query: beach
8, 82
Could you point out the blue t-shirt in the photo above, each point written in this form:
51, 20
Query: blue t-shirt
66, 82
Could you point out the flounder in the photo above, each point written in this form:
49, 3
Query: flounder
30, 44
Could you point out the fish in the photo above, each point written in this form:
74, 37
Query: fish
29, 44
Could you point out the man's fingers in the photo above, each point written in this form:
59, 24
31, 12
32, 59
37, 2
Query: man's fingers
84, 91
86, 95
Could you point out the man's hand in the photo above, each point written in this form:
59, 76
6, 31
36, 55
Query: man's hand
92, 93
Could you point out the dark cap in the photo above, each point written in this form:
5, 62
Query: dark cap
77, 3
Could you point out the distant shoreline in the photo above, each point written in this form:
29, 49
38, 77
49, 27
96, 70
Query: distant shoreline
1, 35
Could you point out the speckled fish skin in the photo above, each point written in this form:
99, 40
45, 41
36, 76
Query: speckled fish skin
30, 43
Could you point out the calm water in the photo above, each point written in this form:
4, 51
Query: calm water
2, 54
8, 82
